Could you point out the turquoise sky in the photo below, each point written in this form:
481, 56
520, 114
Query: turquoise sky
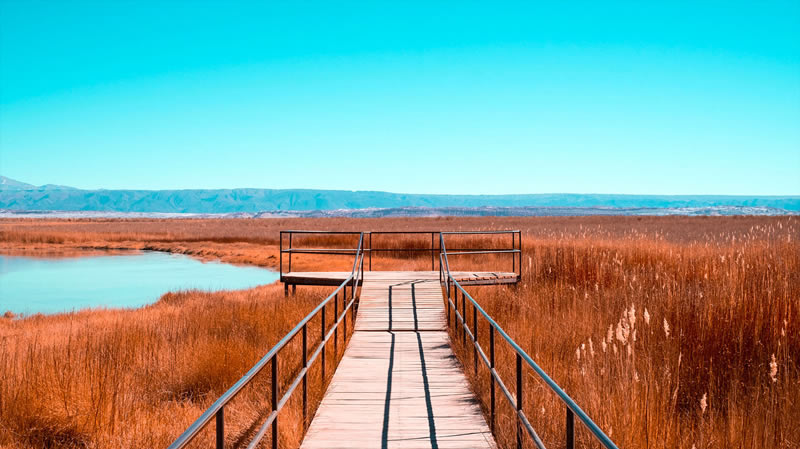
429, 97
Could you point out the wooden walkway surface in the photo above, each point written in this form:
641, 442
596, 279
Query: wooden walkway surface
399, 384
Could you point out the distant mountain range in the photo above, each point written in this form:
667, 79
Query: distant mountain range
18, 197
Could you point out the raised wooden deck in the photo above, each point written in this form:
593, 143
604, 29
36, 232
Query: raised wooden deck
399, 384
335, 278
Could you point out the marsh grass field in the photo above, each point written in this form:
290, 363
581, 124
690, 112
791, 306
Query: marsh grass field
670, 332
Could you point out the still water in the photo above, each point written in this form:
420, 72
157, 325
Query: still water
31, 285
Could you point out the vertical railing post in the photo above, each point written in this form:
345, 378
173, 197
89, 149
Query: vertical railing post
323, 346
448, 310
370, 251
519, 400
570, 429
335, 327
455, 320
455, 314
519, 277
433, 262
275, 401
491, 374
513, 255
305, 376
220, 428
464, 317
280, 254
353, 315
344, 321
475, 336
290, 252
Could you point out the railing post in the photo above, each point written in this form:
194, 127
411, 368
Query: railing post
475, 335
519, 400
448, 310
280, 254
570, 429
290, 253
433, 262
370, 252
323, 346
519, 278
305, 376
513, 255
353, 315
491, 374
275, 401
455, 317
335, 327
464, 317
221, 428
344, 322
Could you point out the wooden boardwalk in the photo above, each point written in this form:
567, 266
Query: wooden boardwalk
399, 384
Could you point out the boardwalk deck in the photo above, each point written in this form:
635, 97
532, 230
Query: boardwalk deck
399, 384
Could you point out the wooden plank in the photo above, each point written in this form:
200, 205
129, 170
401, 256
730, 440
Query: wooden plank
399, 384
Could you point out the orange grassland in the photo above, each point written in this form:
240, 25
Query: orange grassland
669, 331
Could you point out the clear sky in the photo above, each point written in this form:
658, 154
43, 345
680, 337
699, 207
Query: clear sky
429, 97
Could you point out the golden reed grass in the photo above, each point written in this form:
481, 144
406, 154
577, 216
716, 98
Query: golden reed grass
668, 331
138, 378
667, 344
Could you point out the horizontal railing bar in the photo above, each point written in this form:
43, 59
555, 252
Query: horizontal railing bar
568, 401
306, 231
401, 232
232, 392
486, 251
528, 427
366, 250
477, 232
511, 400
321, 232
263, 430
281, 403
427, 250
199, 424
321, 251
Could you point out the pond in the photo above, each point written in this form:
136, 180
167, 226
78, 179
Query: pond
50, 285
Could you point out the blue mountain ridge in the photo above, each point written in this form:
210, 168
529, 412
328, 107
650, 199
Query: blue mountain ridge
17, 196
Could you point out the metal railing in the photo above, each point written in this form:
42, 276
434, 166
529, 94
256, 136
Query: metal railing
217, 409
522, 358
434, 250
515, 251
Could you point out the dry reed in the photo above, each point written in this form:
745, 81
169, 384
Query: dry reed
668, 331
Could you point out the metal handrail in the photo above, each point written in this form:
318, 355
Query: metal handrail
433, 250
515, 250
217, 409
515, 401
